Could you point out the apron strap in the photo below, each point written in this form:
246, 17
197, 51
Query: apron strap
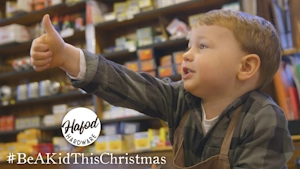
183, 119
229, 133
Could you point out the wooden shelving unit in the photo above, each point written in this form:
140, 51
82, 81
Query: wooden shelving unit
35, 16
60, 96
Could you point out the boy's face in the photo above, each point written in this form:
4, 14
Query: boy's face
211, 64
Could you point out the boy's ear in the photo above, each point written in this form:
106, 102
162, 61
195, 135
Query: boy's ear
249, 65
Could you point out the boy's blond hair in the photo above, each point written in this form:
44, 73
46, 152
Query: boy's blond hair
255, 36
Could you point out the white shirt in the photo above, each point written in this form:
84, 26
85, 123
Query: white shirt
206, 124
82, 70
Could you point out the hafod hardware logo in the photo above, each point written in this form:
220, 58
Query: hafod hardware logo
81, 127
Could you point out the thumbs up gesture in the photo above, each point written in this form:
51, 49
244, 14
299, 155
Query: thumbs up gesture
48, 50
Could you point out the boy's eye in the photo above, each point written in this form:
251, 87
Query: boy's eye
203, 46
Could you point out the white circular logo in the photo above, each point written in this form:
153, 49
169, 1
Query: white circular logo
81, 127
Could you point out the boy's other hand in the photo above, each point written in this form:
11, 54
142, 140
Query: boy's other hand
48, 50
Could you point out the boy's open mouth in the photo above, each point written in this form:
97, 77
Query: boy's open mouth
187, 70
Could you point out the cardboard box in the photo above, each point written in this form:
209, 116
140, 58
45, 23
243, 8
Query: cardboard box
165, 71
101, 144
13, 33
134, 66
178, 69
116, 143
166, 60
112, 129
2, 123
9, 123
142, 141
178, 57
145, 36
145, 54
148, 65
164, 3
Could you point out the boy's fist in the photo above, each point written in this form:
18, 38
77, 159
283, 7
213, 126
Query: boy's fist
48, 50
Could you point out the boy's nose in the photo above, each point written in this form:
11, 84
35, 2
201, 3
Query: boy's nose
187, 56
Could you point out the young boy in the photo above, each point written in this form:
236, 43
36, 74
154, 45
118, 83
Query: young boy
216, 110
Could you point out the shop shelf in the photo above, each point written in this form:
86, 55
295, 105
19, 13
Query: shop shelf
292, 51
10, 49
126, 119
59, 96
160, 45
35, 16
144, 16
43, 128
28, 73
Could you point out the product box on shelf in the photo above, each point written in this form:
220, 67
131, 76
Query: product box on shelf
27, 122
2, 123
101, 144
145, 54
111, 129
16, 147
165, 71
177, 29
180, 1
133, 65
148, 65
110, 16
33, 90
13, 33
29, 136
145, 36
60, 108
130, 127
154, 137
164, 3
61, 145
7, 123
120, 7
178, 57
43, 149
116, 143
120, 42
22, 92
193, 19
95, 12
53, 119
133, 8
178, 69
165, 60
142, 141
3, 152
146, 5
131, 112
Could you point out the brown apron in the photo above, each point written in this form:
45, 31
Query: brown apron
215, 162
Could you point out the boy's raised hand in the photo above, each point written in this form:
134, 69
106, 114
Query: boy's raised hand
48, 50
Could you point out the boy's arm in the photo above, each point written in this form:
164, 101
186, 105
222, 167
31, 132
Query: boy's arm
122, 87
266, 142
110, 81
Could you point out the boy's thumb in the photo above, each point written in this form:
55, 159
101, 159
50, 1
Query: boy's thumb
48, 25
